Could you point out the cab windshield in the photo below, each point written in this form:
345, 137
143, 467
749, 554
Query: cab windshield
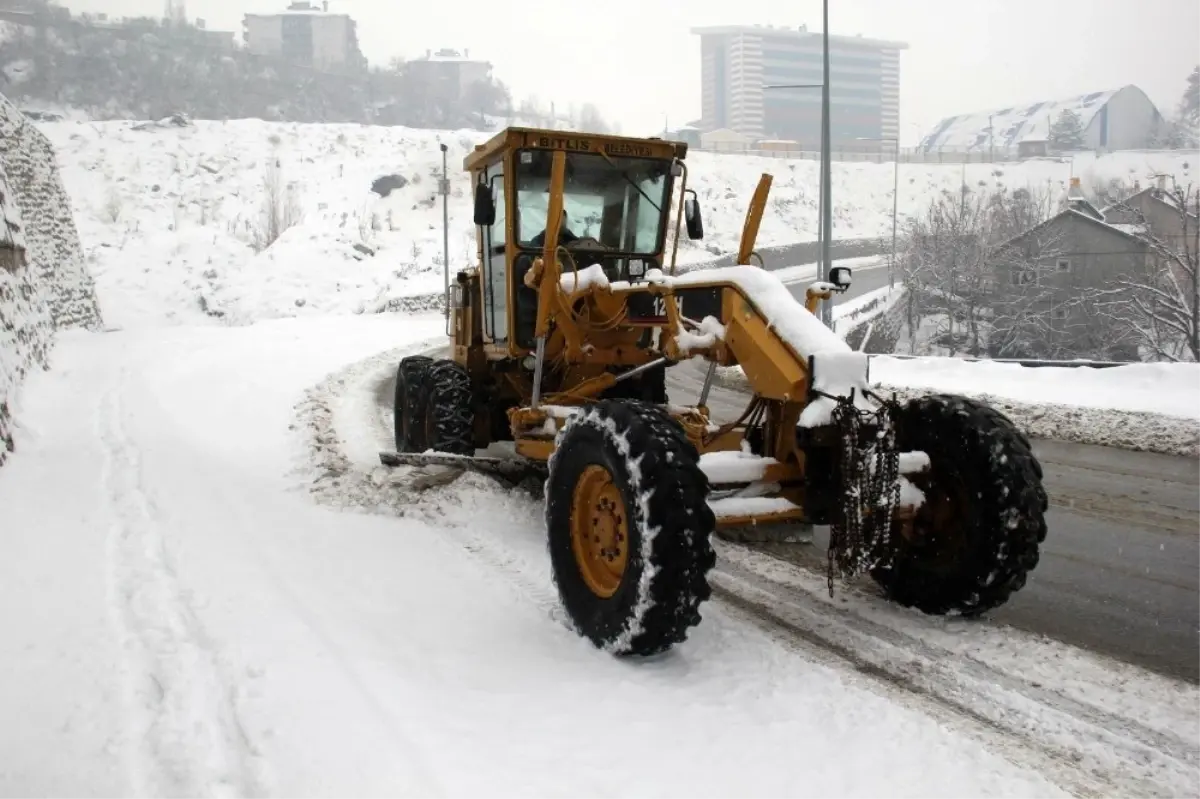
618, 201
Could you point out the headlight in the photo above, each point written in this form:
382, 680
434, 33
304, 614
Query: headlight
637, 268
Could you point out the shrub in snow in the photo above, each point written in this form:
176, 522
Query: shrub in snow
43, 283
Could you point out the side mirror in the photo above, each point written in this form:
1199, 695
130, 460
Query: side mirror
691, 216
485, 207
840, 277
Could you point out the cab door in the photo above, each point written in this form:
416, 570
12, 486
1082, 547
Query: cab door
495, 241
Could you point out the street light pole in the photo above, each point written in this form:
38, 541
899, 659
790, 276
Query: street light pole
895, 198
444, 189
826, 170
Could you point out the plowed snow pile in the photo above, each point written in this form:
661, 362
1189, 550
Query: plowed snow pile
1153, 407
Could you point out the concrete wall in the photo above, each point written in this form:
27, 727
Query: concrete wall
878, 333
45, 286
26, 328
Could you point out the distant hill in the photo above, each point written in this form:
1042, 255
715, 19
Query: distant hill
144, 69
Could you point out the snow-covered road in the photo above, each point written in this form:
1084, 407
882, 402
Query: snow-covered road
179, 617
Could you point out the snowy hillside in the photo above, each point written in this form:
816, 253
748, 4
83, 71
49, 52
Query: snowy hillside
170, 216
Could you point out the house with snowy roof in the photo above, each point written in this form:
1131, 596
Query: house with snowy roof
1047, 270
1168, 216
1119, 119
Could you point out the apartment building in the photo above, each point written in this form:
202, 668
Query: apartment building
307, 35
738, 62
451, 70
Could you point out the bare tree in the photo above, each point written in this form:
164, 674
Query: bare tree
279, 208
1158, 302
951, 272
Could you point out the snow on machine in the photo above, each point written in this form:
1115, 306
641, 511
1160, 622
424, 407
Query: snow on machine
560, 342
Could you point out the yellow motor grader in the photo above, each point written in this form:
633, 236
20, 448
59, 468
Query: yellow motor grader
561, 338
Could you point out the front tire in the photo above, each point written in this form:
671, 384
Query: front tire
406, 403
976, 537
628, 527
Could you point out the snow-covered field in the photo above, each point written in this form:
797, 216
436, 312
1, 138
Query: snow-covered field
169, 215
182, 619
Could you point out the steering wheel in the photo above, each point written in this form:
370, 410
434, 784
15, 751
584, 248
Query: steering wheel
586, 243
588, 250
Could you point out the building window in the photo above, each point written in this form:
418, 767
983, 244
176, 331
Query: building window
1062, 265
1022, 277
1059, 312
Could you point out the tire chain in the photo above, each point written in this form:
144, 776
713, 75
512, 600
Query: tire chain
869, 476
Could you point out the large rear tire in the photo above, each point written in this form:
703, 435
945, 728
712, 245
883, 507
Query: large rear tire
406, 402
976, 537
628, 527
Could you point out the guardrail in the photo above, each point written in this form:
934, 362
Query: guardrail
1030, 362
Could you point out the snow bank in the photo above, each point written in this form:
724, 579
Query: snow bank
1161, 388
43, 282
170, 215
1144, 407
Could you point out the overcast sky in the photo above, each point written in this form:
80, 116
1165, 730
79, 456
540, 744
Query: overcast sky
638, 61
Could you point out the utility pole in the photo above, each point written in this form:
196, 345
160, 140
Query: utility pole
444, 190
895, 199
826, 171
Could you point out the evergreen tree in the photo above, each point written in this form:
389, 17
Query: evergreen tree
1189, 105
1066, 132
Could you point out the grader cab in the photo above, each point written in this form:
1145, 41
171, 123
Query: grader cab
561, 338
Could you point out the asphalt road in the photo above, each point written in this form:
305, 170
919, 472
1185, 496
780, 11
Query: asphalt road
862, 282
807, 252
1120, 568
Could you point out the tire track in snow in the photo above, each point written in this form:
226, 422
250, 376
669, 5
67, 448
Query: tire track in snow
186, 738
1083, 747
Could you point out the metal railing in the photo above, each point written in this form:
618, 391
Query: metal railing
908, 155
1032, 363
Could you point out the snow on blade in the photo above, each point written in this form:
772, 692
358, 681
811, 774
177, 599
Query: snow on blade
728, 507
734, 466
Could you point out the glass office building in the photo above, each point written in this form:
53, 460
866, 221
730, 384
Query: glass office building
736, 62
